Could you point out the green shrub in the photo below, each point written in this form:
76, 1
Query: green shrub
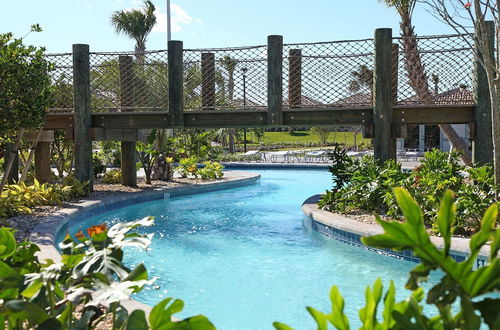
212, 170
20, 198
364, 184
113, 176
468, 289
98, 166
187, 166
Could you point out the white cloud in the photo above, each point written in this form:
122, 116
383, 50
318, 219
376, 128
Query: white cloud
179, 18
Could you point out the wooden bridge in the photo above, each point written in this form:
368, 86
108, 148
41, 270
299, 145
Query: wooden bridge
384, 119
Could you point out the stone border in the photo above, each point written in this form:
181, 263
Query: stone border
44, 234
350, 231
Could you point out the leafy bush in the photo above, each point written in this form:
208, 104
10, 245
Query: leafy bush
98, 166
212, 170
461, 284
113, 176
364, 184
187, 166
91, 279
20, 198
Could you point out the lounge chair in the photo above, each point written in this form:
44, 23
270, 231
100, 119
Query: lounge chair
252, 155
316, 156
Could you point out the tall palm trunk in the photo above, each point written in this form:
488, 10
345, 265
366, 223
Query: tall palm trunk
418, 81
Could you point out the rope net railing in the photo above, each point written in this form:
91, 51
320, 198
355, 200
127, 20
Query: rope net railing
125, 81
225, 79
435, 70
62, 81
328, 74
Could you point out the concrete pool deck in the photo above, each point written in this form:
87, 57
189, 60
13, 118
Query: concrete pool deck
350, 231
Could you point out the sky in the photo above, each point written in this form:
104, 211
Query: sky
205, 23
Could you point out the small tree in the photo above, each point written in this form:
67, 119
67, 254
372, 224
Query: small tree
322, 133
25, 90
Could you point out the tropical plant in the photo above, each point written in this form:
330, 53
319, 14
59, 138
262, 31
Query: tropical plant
415, 69
113, 176
463, 296
61, 153
21, 197
322, 132
212, 170
136, 24
363, 184
86, 288
188, 166
361, 80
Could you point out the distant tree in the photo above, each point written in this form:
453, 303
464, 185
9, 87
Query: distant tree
322, 133
361, 80
136, 24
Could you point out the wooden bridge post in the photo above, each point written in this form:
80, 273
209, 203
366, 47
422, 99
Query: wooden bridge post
275, 80
82, 117
42, 162
127, 99
384, 143
295, 78
208, 81
175, 83
482, 132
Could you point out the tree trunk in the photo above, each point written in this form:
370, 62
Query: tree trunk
10, 161
495, 104
418, 81
231, 141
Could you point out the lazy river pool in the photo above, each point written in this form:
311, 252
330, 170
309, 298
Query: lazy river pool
243, 258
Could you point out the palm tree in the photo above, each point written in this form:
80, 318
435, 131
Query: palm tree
136, 24
416, 70
229, 64
362, 80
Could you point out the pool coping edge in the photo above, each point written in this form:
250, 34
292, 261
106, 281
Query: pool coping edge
349, 231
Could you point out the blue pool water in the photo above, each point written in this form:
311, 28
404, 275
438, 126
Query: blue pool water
243, 258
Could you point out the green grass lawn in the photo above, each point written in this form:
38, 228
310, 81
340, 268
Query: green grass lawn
306, 137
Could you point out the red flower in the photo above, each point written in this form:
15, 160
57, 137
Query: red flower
467, 5
94, 230
80, 235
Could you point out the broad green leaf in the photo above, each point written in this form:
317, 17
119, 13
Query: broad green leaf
319, 317
33, 289
487, 224
409, 207
137, 321
138, 274
446, 218
7, 243
338, 318
281, 326
157, 316
23, 310
389, 300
